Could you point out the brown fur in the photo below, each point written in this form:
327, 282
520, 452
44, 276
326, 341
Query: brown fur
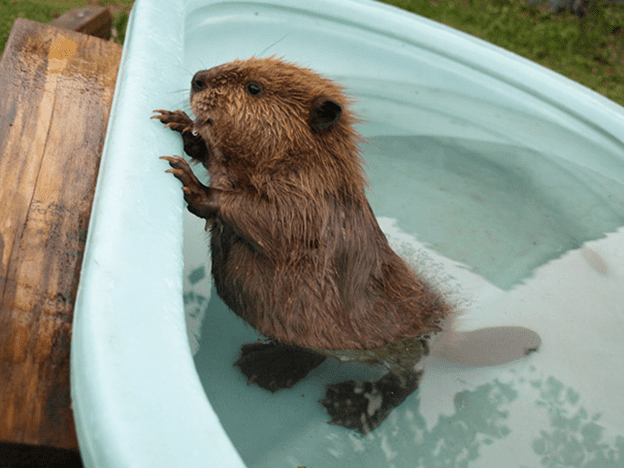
296, 249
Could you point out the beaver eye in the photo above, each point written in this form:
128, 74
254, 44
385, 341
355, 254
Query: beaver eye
253, 88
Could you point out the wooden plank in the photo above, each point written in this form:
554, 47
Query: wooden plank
57, 87
93, 20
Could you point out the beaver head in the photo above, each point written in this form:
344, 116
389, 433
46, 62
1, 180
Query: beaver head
265, 116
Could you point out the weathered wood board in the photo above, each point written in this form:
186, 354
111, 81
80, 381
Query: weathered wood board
93, 20
57, 88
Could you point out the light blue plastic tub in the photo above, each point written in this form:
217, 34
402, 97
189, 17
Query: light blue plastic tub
499, 179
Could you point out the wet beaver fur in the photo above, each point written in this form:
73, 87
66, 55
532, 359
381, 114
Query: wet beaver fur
296, 249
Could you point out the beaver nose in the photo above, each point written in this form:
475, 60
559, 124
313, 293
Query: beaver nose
199, 81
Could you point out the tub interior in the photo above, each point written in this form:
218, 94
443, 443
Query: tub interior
507, 201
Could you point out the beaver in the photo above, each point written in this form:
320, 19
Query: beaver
296, 249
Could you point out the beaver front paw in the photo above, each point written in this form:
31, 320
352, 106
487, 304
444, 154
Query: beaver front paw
274, 365
202, 201
177, 120
194, 144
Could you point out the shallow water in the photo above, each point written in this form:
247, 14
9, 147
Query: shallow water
521, 223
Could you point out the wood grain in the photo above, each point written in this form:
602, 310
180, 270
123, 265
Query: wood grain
57, 87
94, 20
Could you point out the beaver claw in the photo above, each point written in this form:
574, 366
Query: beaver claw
202, 200
194, 144
177, 120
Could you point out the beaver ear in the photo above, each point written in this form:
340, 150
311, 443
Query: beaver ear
325, 113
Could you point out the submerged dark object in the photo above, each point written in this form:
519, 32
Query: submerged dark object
296, 249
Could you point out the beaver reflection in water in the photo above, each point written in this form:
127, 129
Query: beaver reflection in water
296, 249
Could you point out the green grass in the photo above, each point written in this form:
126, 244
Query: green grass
45, 11
588, 50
